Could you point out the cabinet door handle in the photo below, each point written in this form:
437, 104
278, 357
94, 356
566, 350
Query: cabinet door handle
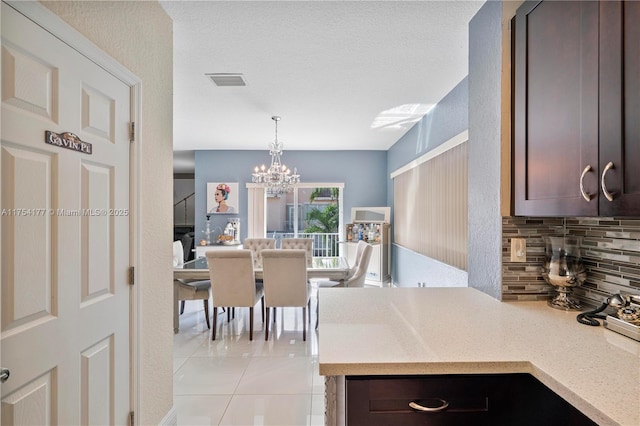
584, 172
606, 193
443, 405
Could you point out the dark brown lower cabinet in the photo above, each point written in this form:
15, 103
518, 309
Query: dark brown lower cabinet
492, 400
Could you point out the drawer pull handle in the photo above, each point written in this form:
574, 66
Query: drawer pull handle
443, 405
584, 172
606, 193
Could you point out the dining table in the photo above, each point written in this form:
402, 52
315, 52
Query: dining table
335, 268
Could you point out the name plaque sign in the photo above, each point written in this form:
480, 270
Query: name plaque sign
67, 140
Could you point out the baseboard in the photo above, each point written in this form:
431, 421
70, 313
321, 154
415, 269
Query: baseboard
376, 283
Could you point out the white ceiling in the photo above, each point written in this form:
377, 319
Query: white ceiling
341, 74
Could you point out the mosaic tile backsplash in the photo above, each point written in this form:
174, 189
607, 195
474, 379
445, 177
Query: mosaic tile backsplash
610, 253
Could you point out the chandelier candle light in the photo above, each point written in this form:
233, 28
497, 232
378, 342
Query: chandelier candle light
277, 179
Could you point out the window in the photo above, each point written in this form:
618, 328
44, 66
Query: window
312, 210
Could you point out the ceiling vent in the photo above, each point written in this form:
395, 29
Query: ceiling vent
226, 79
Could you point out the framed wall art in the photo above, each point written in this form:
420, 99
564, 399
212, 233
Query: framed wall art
222, 198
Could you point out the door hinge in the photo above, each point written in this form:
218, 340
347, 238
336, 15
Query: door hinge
131, 419
132, 131
131, 275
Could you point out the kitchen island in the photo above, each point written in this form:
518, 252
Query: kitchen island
462, 331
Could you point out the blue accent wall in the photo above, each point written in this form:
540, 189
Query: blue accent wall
445, 120
410, 268
364, 174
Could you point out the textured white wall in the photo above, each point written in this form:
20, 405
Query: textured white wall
139, 35
485, 222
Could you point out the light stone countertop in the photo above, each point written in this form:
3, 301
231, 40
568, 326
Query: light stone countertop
383, 331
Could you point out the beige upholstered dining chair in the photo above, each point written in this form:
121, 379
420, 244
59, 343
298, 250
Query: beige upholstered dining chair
190, 289
233, 283
286, 284
299, 244
358, 277
353, 270
360, 273
359, 250
256, 245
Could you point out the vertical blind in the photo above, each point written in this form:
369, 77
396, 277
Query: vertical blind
430, 207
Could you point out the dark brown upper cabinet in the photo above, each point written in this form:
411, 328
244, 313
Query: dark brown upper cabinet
619, 107
577, 109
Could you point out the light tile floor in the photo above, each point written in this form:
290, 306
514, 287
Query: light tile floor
234, 381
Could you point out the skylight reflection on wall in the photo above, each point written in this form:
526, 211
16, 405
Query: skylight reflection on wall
401, 117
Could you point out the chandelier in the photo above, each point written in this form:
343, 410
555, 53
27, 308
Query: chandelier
277, 179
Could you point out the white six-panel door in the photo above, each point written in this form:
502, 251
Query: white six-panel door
65, 312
